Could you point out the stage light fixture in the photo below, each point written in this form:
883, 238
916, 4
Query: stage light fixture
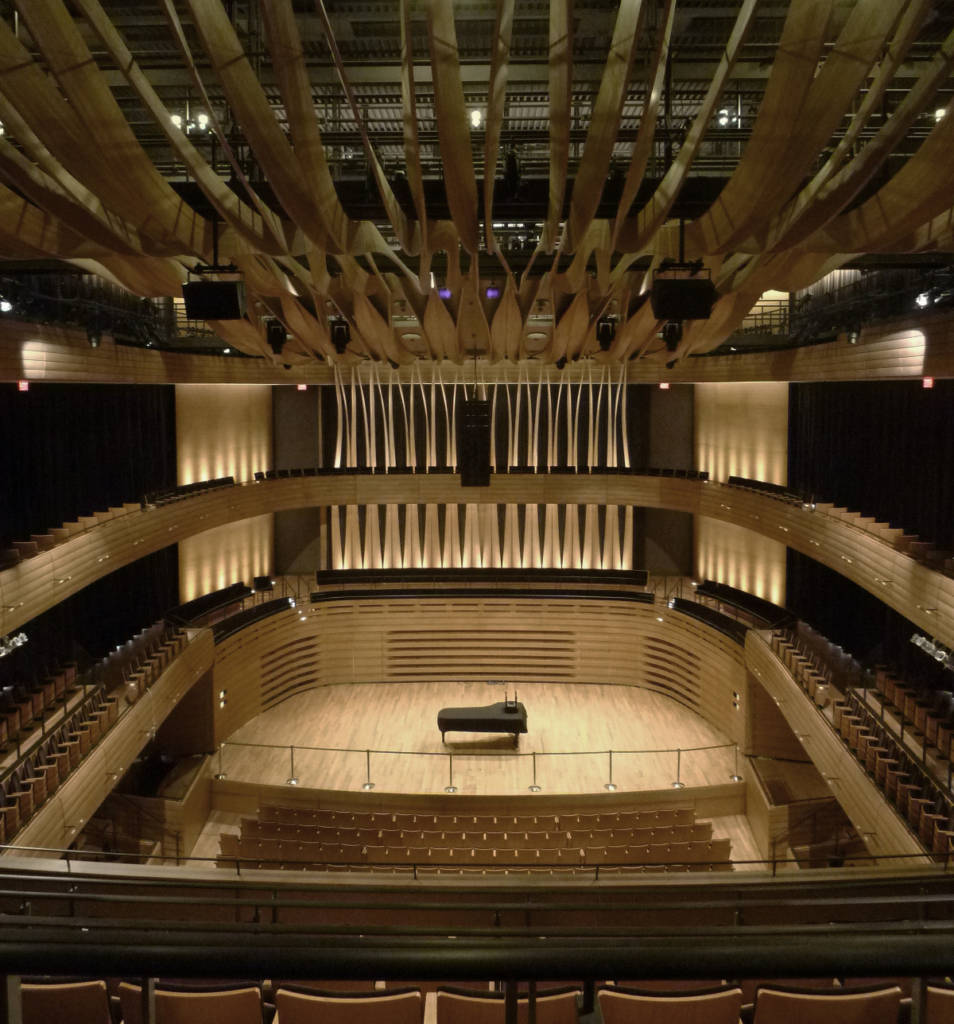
444, 293
922, 300
6, 306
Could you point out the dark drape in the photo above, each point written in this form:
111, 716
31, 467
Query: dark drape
74, 449
70, 450
881, 448
858, 622
88, 625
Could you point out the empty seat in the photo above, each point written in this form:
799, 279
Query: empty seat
784, 1005
938, 1004
69, 1002
719, 1005
298, 1005
462, 1006
177, 1004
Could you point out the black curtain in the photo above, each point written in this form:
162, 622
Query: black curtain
74, 449
858, 622
87, 626
881, 448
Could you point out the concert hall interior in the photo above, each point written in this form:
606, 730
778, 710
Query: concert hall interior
581, 371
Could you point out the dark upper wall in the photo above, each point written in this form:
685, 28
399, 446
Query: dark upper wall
881, 448
74, 449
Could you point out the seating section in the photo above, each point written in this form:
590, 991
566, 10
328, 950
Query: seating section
168, 494
773, 490
819, 1001
763, 614
720, 1005
55, 723
878, 743
457, 844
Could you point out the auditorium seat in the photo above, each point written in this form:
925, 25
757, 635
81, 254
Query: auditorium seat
65, 1002
938, 1004
299, 1005
180, 1004
720, 1005
790, 1005
463, 1006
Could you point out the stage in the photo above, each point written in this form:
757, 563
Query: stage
571, 729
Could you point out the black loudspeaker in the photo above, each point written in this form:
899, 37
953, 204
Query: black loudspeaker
214, 300
275, 335
682, 298
340, 335
473, 444
605, 332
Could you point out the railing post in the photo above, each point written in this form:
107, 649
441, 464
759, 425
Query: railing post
292, 779
735, 777
534, 788
221, 773
367, 784
510, 1001
13, 1000
450, 787
678, 784
610, 785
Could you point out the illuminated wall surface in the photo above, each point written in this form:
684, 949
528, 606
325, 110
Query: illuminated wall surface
469, 536
223, 430
741, 430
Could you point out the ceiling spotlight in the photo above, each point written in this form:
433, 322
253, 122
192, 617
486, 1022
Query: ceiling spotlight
202, 122
176, 119
605, 332
5, 305
476, 118
939, 113
922, 300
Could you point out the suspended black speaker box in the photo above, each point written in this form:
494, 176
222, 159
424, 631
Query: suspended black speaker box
682, 298
473, 444
214, 300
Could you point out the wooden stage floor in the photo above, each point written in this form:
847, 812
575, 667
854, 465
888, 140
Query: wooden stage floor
571, 728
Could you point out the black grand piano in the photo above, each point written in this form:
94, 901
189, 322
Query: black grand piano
504, 716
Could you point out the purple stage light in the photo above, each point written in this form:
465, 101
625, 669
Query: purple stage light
444, 293
492, 292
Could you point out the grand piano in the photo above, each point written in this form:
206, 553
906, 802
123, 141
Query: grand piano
504, 716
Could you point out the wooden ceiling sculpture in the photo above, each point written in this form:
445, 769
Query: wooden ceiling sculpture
815, 131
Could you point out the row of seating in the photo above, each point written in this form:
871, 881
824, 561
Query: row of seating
280, 474
253, 829
812, 675
905, 784
928, 810
281, 853
929, 712
24, 704
88, 1002
38, 542
167, 494
51, 753
354, 818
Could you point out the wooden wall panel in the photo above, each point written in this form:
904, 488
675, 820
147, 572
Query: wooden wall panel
517, 639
